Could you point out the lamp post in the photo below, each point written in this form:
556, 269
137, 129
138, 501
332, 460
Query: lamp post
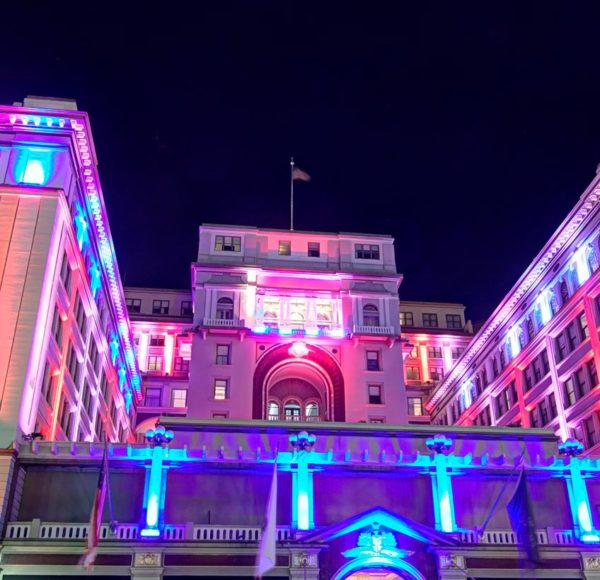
441, 483
302, 481
154, 496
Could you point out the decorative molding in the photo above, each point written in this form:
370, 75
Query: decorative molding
147, 559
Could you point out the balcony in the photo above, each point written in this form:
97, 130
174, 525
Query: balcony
296, 418
223, 322
376, 330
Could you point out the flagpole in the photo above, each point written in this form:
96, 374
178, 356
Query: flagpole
291, 194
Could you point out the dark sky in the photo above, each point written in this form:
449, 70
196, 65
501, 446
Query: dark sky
465, 130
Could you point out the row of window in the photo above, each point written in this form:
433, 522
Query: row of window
284, 248
436, 352
544, 412
580, 383
162, 307
430, 320
178, 398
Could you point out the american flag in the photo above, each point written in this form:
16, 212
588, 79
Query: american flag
93, 538
299, 175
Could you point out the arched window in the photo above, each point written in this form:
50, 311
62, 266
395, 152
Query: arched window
311, 411
225, 309
370, 315
291, 410
296, 320
273, 411
564, 291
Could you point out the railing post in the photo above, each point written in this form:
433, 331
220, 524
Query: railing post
34, 531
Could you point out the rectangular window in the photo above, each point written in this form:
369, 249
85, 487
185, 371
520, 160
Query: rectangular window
66, 417
220, 415
534, 418
375, 395
580, 387
221, 389
65, 273
160, 307
228, 244
583, 326
545, 362
561, 347
430, 320
46, 384
377, 420
572, 336
551, 402
223, 352
436, 373
134, 305
454, 321
569, 391
406, 319
314, 249
179, 398
153, 397
181, 365
589, 428
591, 367
57, 327
186, 308
157, 340
457, 352
285, 248
155, 364
415, 406
413, 374
366, 251
373, 360
434, 352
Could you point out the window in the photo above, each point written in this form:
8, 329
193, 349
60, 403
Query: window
413, 374
65, 273
65, 417
415, 406
430, 320
580, 384
375, 397
179, 398
314, 249
160, 307
221, 389
225, 309
285, 248
366, 251
561, 347
569, 393
273, 411
291, 411
584, 330
591, 435
186, 308
228, 244
220, 415
85, 396
457, 352
591, 366
370, 315
47, 380
373, 360
434, 352
155, 363
223, 351
564, 291
436, 373
406, 319
134, 305
181, 365
153, 397
454, 321
57, 327
157, 340
572, 337
311, 411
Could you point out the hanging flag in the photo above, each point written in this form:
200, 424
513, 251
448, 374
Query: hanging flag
299, 175
267, 550
521, 519
91, 551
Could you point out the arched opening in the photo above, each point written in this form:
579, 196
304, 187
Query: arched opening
379, 567
370, 315
306, 385
225, 309
374, 575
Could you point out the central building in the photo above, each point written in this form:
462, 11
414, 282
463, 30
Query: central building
296, 326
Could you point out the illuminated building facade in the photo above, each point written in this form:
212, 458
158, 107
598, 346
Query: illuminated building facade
536, 361
434, 336
354, 501
67, 365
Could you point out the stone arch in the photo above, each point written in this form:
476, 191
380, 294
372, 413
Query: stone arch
318, 358
404, 569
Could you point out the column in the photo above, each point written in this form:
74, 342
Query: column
302, 482
441, 482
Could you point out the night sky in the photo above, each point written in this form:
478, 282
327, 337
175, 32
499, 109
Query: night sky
465, 130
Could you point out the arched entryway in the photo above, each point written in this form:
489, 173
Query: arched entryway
298, 382
377, 568
374, 575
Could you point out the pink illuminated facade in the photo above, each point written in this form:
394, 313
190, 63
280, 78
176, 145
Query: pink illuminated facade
67, 364
536, 361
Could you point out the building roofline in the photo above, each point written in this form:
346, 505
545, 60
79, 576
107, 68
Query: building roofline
432, 303
294, 232
577, 218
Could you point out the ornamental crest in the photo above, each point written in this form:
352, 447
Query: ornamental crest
376, 542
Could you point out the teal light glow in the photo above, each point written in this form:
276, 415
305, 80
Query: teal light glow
95, 280
152, 510
81, 226
154, 490
442, 489
303, 511
34, 166
544, 305
580, 502
584, 516
590, 538
446, 513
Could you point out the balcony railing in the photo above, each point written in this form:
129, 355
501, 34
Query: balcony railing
223, 322
37, 530
296, 418
379, 330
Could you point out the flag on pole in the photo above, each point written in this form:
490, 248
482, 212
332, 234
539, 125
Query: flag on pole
521, 519
299, 175
93, 539
267, 550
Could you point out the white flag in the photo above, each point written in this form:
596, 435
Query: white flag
298, 174
267, 551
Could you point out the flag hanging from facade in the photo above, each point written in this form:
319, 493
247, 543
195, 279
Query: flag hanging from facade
299, 175
89, 556
267, 550
521, 519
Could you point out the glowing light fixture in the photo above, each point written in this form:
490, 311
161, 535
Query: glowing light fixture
582, 265
544, 304
34, 173
298, 349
